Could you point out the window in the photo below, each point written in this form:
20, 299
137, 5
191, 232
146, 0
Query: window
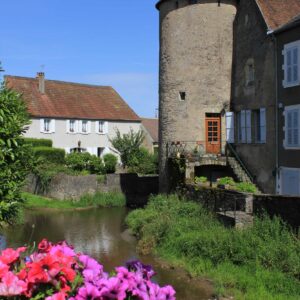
47, 125
290, 181
193, 1
292, 139
101, 127
72, 126
182, 96
291, 64
100, 151
250, 72
259, 116
84, 126
244, 126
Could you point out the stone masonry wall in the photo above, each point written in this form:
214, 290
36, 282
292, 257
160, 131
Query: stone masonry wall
137, 189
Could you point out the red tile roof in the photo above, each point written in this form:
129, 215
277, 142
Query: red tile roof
151, 126
278, 12
71, 100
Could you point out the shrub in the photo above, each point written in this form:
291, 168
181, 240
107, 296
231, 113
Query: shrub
143, 162
38, 142
246, 187
96, 165
201, 179
15, 157
78, 161
53, 155
226, 181
110, 162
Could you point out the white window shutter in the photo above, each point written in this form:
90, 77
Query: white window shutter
42, 125
248, 126
290, 182
230, 127
76, 126
106, 127
97, 126
67, 126
263, 125
52, 126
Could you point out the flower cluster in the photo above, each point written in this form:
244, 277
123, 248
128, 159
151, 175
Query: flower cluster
57, 272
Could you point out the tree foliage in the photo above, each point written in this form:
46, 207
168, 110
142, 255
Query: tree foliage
128, 144
15, 157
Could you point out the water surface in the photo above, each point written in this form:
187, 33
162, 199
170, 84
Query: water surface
101, 233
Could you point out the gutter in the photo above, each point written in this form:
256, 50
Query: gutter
273, 36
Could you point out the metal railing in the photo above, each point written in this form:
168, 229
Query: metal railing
189, 150
236, 156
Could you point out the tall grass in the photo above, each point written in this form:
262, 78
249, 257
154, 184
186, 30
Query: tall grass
110, 199
259, 262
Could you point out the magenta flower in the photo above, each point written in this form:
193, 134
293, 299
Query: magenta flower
114, 289
57, 296
88, 292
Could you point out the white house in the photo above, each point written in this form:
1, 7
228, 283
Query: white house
74, 115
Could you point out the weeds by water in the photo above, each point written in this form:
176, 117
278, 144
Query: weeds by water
259, 262
111, 199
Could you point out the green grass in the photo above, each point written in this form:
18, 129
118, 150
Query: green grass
259, 262
112, 199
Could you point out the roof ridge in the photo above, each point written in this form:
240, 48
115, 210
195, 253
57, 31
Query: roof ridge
63, 82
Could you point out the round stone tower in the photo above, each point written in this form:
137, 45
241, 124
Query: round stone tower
196, 50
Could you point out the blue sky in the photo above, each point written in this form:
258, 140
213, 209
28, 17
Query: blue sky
101, 42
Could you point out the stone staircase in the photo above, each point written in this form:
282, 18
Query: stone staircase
238, 170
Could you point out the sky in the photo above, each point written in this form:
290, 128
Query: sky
101, 42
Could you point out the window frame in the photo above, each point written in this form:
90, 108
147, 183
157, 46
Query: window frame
287, 48
286, 145
51, 125
282, 171
244, 127
260, 127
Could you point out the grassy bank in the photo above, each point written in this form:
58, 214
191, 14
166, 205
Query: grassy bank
97, 200
261, 262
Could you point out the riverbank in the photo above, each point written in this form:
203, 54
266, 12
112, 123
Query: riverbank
261, 262
111, 199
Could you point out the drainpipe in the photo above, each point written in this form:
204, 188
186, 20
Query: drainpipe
271, 32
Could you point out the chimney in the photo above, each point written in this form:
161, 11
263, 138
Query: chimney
41, 79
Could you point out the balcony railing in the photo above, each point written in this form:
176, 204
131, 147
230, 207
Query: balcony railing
189, 150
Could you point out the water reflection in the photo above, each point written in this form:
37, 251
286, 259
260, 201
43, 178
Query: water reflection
99, 233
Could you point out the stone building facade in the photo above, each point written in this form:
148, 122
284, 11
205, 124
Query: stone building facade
196, 50
218, 61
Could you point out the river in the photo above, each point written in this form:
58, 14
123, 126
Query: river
102, 234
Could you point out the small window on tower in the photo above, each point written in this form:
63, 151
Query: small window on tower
182, 96
177, 4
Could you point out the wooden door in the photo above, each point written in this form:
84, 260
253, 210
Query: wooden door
213, 135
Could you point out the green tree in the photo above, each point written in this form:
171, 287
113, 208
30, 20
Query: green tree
15, 157
128, 144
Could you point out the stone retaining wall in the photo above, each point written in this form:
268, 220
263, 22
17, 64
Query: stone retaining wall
65, 187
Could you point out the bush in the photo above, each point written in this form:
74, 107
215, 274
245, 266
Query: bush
226, 181
38, 142
78, 161
96, 165
50, 155
110, 162
143, 162
15, 157
201, 179
246, 187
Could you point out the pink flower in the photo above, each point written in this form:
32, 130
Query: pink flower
114, 289
89, 291
9, 255
11, 285
3, 269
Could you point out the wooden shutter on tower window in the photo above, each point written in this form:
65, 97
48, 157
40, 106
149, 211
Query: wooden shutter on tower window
230, 127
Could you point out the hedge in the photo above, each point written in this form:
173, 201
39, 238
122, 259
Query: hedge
53, 155
38, 142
